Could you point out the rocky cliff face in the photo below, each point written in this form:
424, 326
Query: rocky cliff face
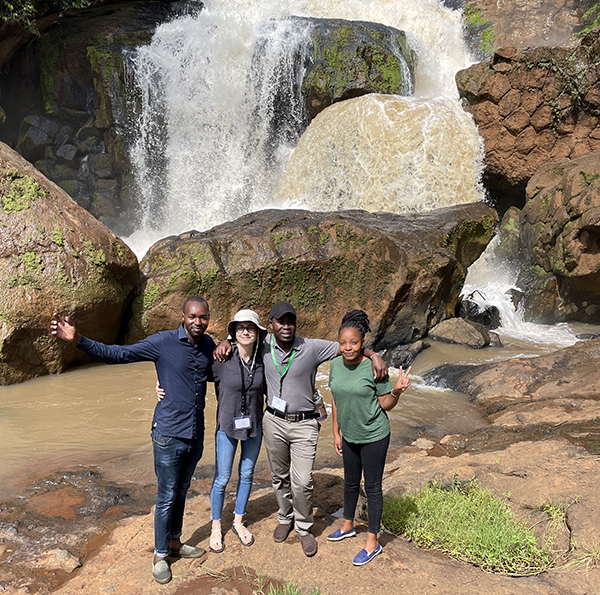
555, 240
64, 96
532, 107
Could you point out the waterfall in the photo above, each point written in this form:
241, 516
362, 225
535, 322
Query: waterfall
213, 141
490, 282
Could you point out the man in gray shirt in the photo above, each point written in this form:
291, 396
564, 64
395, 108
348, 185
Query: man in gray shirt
290, 426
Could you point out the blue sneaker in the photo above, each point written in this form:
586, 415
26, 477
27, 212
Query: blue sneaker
363, 557
339, 535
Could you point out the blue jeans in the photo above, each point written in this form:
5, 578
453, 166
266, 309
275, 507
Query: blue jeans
225, 448
175, 461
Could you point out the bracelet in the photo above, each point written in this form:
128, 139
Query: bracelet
395, 396
373, 355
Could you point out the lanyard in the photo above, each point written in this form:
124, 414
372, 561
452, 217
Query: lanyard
287, 367
244, 388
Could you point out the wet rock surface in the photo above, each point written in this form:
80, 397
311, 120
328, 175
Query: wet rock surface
58, 523
346, 59
553, 394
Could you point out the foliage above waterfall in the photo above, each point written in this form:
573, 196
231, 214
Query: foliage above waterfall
24, 12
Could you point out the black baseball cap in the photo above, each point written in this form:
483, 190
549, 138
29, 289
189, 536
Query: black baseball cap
280, 309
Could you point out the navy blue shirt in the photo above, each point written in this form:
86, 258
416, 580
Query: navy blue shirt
182, 368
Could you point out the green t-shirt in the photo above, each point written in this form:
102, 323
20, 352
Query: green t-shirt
355, 392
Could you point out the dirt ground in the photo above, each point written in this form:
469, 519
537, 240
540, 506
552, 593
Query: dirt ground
551, 470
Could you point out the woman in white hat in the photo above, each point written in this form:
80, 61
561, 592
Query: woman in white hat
239, 387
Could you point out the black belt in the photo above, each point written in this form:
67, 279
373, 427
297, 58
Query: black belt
294, 416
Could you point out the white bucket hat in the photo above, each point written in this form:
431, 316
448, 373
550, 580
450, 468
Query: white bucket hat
243, 316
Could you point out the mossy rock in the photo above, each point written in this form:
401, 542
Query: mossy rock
346, 59
54, 257
400, 269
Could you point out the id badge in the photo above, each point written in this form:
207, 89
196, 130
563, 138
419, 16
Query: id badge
242, 423
279, 404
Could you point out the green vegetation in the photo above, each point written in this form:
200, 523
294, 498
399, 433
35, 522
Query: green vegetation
150, 296
24, 12
591, 17
475, 16
95, 257
57, 237
470, 524
18, 191
588, 178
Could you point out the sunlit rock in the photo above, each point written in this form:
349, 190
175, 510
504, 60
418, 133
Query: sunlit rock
54, 257
462, 332
533, 106
559, 389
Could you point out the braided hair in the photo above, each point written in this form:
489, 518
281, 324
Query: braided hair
356, 319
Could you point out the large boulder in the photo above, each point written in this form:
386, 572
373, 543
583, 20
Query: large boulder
346, 59
461, 331
405, 271
54, 257
559, 242
533, 106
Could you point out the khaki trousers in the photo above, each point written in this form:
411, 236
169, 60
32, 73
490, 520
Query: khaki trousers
291, 449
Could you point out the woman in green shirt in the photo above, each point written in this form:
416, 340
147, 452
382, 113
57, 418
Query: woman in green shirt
361, 429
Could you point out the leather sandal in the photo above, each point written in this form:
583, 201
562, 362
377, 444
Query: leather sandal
216, 538
242, 533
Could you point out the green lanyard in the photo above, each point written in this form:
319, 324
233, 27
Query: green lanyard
287, 367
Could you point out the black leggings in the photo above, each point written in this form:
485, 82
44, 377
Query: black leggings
370, 459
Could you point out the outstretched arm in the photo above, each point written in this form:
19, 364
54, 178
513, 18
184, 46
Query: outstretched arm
64, 329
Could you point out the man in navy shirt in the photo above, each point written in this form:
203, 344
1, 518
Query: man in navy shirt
182, 359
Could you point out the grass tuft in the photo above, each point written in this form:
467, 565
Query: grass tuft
470, 524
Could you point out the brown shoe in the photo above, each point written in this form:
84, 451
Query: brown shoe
309, 544
281, 532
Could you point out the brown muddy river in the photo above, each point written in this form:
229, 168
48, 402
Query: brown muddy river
100, 415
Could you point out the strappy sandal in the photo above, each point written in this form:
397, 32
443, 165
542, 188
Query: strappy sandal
242, 533
216, 538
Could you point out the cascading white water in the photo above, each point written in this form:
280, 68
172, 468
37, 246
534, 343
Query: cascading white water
489, 282
213, 142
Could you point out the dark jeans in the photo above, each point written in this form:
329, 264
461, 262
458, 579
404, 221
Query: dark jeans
175, 461
370, 459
